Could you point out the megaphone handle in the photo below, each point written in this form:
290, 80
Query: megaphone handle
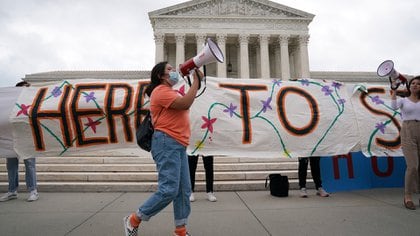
393, 87
199, 79
189, 80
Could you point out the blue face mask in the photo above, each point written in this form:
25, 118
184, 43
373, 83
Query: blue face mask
173, 77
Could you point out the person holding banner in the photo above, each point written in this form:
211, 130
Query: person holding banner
208, 167
170, 115
316, 176
12, 165
410, 137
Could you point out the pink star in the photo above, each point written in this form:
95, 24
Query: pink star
208, 124
92, 124
23, 110
181, 90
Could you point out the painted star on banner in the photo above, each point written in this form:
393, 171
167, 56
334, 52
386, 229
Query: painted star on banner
336, 85
326, 89
377, 100
90, 96
208, 123
181, 90
23, 110
231, 109
56, 92
304, 82
92, 124
266, 104
277, 82
381, 127
199, 145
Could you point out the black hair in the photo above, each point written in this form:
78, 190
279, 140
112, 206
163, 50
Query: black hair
22, 84
155, 77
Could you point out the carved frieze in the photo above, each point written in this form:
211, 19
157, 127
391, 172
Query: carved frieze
230, 24
232, 8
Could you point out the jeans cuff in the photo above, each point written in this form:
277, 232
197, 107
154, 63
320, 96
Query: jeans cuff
142, 216
181, 222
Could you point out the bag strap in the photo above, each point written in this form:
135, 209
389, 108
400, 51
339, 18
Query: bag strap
157, 116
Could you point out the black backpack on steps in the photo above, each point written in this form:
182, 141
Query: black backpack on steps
279, 185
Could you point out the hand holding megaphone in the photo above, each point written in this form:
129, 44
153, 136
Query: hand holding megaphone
386, 68
198, 75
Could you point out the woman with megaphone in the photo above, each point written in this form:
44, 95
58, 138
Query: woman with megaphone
170, 115
410, 137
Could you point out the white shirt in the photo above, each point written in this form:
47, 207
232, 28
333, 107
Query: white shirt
409, 110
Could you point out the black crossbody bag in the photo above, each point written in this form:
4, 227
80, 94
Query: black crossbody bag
144, 132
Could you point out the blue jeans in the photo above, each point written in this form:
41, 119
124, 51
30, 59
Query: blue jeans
13, 173
173, 180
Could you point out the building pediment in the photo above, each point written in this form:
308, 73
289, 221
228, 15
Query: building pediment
231, 8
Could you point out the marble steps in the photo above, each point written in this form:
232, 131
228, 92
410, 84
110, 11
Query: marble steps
137, 174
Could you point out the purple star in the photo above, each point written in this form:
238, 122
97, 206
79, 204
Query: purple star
377, 100
56, 92
90, 96
326, 89
277, 82
381, 127
336, 85
304, 82
341, 101
266, 104
231, 109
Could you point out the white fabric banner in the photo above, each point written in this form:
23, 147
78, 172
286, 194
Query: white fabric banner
233, 117
8, 97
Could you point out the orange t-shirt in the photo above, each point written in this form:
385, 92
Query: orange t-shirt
175, 123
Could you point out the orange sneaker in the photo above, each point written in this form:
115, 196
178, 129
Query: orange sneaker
181, 231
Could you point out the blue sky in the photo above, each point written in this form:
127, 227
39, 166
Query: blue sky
50, 35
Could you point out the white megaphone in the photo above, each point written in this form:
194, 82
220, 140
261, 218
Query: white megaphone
210, 53
386, 68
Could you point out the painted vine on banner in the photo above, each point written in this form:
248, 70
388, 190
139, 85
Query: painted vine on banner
233, 117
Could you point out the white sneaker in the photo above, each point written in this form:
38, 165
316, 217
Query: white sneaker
211, 197
33, 196
303, 193
8, 196
322, 193
192, 198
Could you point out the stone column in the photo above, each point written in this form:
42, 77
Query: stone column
200, 40
304, 59
243, 42
284, 55
257, 66
180, 49
265, 58
221, 67
159, 52
277, 65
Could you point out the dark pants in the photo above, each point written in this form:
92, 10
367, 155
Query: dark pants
315, 171
208, 167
